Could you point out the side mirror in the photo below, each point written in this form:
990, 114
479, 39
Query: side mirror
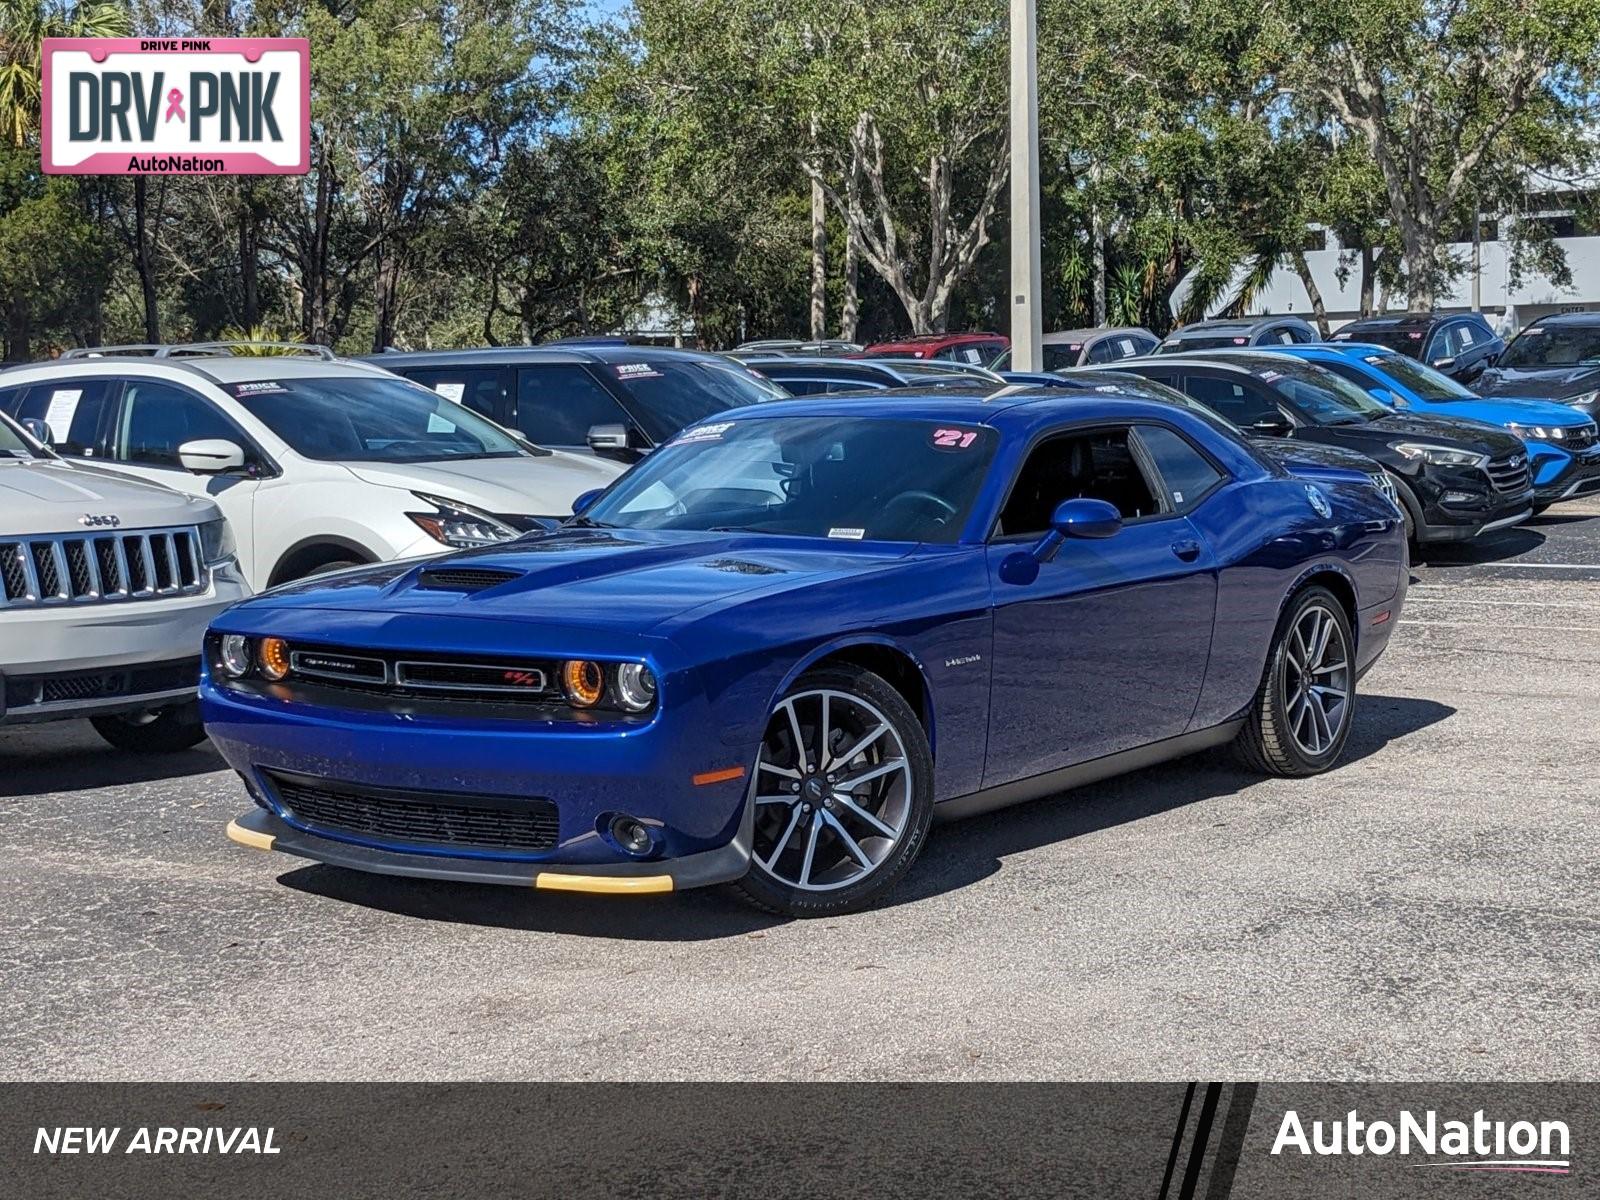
584, 500
39, 430
211, 456
1080, 518
1273, 426
1443, 364
608, 437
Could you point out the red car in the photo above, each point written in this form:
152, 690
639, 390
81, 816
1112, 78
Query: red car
974, 349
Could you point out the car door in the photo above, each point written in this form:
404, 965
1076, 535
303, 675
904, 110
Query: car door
1106, 649
156, 417
561, 405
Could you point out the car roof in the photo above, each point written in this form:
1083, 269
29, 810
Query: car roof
1006, 408
1242, 359
1330, 349
216, 368
1397, 320
1235, 325
572, 352
1568, 318
1065, 336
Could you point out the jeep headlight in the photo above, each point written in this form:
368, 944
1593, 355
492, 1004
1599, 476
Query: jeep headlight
216, 541
1440, 456
458, 525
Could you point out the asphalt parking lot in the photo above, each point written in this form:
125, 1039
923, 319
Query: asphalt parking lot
1430, 910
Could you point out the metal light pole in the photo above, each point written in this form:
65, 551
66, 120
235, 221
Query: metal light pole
1026, 281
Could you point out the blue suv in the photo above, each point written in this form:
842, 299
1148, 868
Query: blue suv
1563, 442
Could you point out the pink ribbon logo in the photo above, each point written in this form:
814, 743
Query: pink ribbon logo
175, 105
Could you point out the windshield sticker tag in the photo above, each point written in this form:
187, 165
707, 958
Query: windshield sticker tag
852, 535
437, 424
706, 433
451, 391
1241, 341
1269, 376
1340, 337
1126, 347
1374, 359
63, 407
258, 388
954, 439
1415, 337
626, 371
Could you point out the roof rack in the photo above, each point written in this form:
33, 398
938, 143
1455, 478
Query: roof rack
198, 350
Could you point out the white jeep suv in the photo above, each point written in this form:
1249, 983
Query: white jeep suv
107, 585
317, 462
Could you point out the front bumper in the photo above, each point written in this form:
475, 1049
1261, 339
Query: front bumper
1578, 475
261, 830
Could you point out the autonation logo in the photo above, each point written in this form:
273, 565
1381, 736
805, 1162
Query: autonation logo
1480, 1144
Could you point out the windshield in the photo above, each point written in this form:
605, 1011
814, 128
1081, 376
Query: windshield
1320, 396
666, 395
12, 443
1407, 342
822, 477
361, 419
1231, 341
1554, 346
1421, 379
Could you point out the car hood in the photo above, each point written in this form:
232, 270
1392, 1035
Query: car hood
1311, 458
1540, 383
1522, 411
536, 485
1458, 432
623, 581
55, 497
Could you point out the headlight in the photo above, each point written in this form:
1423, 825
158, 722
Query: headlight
235, 656
1539, 433
460, 525
636, 686
1440, 456
1587, 398
584, 682
216, 541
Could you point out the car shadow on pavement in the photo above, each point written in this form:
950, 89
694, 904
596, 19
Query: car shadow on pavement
956, 855
1497, 547
964, 852
70, 757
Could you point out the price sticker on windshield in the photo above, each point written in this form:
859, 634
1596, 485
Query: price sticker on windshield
705, 433
954, 439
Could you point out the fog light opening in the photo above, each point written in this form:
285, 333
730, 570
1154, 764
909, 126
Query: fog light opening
632, 836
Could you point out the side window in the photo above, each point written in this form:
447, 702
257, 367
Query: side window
11, 399
1240, 403
808, 387
73, 408
1102, 351
476, 387
1186, 474
1138, 344
558, 405
158, 417
1098, 465
1284, 337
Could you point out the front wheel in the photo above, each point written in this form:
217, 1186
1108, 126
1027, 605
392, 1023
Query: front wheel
154, 731
1301, 717
843, 796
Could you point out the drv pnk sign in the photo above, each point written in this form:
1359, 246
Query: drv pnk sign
176, 106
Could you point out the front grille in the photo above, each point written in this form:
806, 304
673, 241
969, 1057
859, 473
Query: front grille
407, 674
67, 569
1582, 438
1509, 474
441, 819
463, 579
26, 691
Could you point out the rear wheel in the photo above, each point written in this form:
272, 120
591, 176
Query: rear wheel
1301, 717
154, 731
843, 796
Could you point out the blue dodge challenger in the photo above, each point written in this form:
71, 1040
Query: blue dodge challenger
780, 646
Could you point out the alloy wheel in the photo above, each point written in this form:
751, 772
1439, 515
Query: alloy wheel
832, 791
1317, 679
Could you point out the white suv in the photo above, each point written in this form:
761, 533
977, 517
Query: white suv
107, 585
317, 462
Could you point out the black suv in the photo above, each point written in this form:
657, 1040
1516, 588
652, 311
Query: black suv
1554, 358
1463, 346
1236, 334
615, 401
1457, 478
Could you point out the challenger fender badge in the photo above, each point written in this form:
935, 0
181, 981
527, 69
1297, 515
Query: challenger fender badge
1319, 502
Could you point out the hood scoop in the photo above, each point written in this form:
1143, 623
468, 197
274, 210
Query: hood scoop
464, 579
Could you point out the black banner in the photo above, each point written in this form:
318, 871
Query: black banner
1194, 1141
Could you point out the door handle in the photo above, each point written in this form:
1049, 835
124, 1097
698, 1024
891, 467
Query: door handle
1187, 549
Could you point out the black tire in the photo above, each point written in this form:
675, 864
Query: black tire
1268, 743
155, 731
1540, 509
338, 564
914, 796
1412, 512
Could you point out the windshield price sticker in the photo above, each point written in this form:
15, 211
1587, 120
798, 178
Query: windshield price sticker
1269, 376
953, 439
626, 371
848, 534
58, 416
259, 387
706, 433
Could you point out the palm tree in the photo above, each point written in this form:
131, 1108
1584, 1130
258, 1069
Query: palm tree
24, 24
